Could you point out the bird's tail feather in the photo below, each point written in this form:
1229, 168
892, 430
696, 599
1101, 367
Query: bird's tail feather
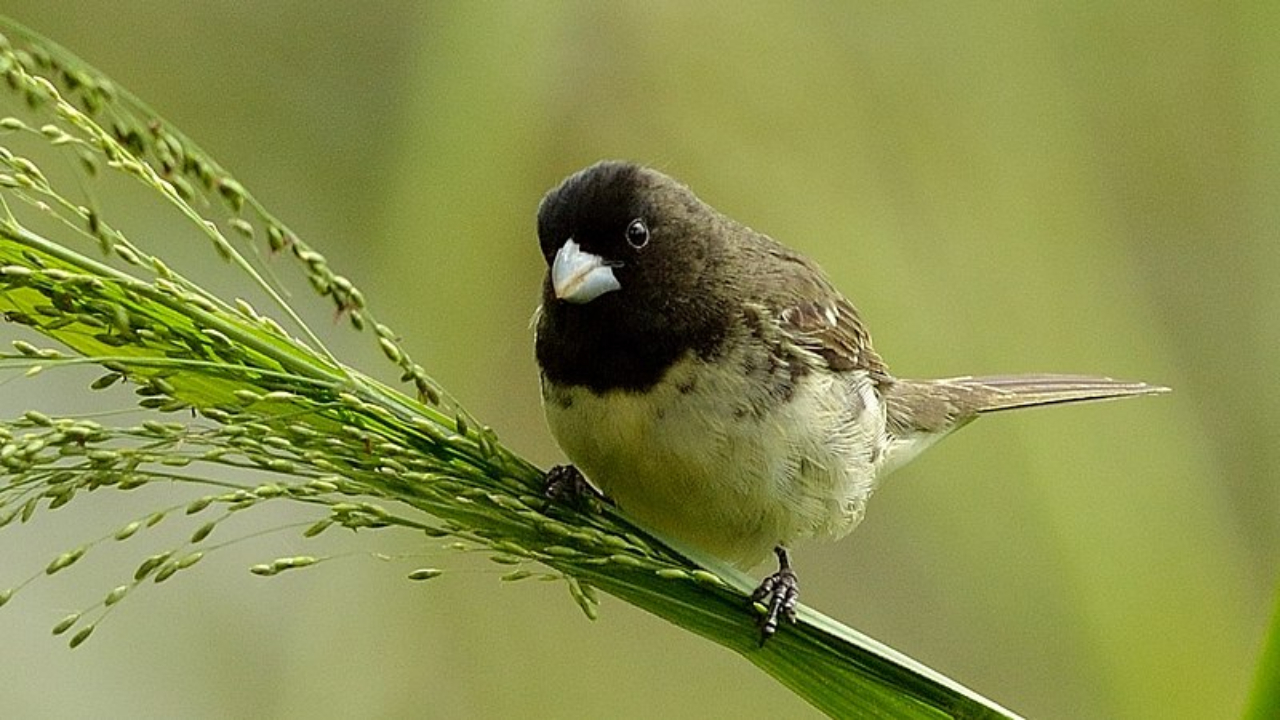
1006, 392
941, 405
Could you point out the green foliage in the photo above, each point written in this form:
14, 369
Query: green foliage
235, 404
1265, 702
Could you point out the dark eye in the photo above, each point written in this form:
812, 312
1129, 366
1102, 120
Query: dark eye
637, 234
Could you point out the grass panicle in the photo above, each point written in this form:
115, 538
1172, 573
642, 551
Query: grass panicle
244, 410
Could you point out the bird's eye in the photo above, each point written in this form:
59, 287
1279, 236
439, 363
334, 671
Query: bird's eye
637, 234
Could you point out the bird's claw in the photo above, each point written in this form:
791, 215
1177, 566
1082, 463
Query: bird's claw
566, 484
779, 593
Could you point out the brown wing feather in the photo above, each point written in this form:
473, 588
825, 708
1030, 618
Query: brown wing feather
832, 329
819, 319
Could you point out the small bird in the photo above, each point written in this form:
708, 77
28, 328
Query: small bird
717, 387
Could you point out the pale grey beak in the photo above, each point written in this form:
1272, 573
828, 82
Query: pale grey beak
580, 277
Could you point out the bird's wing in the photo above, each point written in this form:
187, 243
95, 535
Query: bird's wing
831, 328
821, 320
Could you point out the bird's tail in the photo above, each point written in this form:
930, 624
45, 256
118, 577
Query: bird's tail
940, 405
1005, 392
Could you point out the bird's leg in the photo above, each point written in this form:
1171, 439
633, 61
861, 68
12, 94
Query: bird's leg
565, 483
782, 591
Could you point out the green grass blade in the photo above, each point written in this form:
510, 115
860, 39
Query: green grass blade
223, 386
1265, 700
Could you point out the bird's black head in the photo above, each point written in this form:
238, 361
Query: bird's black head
595, 207
630, 285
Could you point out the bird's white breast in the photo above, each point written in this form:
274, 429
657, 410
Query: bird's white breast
701, 458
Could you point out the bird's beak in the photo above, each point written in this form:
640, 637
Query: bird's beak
580, 277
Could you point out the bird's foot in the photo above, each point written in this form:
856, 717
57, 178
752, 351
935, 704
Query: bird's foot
566, 484
777, 596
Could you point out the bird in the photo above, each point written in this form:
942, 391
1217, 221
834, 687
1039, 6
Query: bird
715, 385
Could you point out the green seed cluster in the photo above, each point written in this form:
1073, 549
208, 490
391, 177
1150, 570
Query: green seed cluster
110, 126
233, 404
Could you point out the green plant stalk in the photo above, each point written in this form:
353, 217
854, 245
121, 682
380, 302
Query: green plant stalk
321, 433
1264, 703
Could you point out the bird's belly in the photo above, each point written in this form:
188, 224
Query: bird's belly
694, 459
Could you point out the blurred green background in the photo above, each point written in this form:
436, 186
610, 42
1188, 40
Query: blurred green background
1087, 187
